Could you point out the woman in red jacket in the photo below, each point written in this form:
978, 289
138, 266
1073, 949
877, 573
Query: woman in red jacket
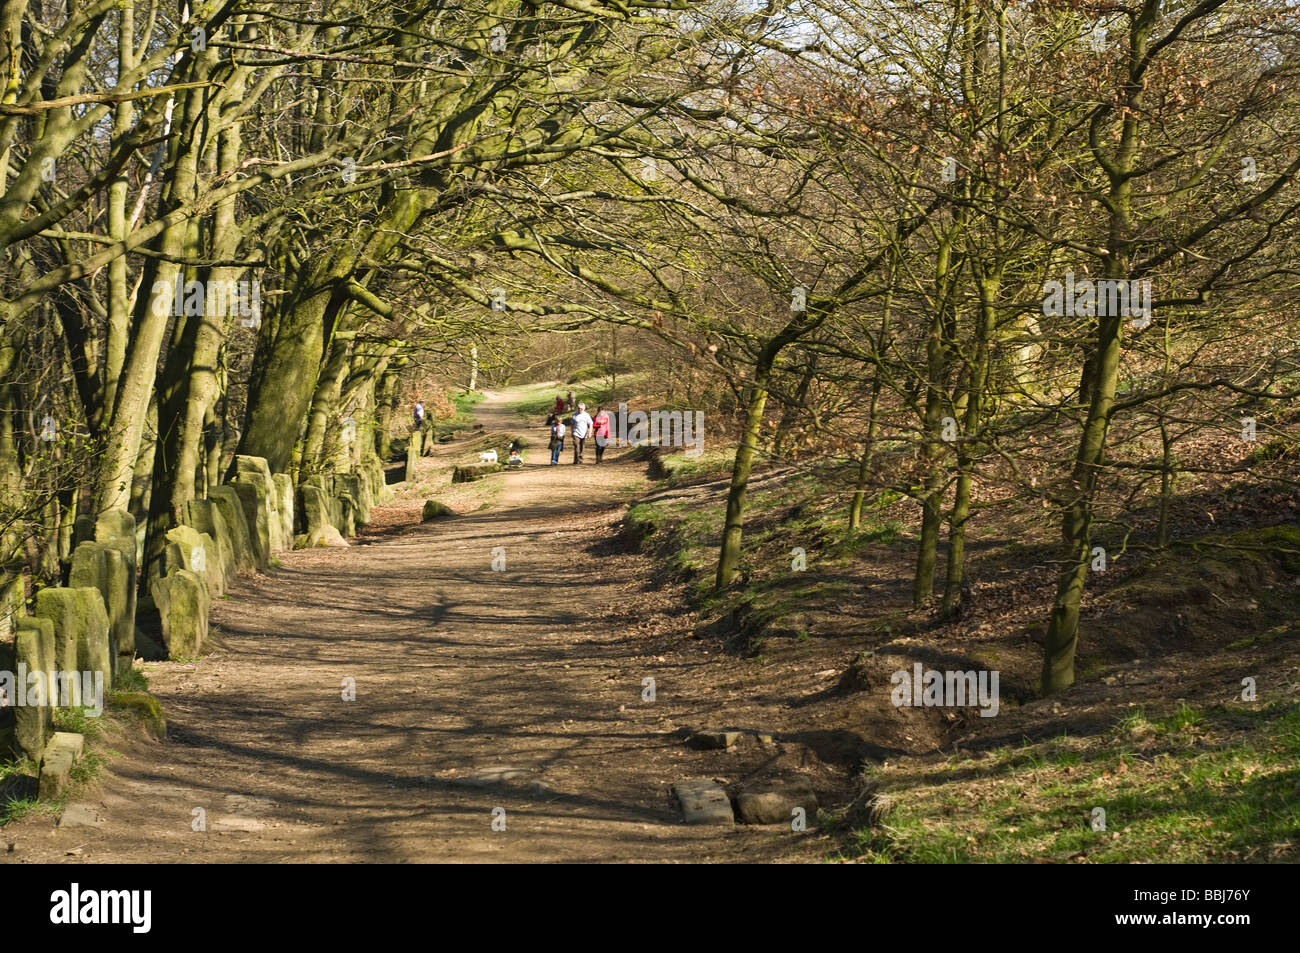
600, 430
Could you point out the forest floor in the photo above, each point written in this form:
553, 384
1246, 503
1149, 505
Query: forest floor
477, 691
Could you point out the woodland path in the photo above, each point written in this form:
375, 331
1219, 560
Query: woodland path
460, 671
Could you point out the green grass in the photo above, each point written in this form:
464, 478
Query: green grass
681, 468
685, 538
463, 419
9, 773
1184, 719
597, 371
76, 720
648, 518
83, 772
15, 809
1280, 448
88, 767
465, 401
535, 401
133, 680
93, 759
1208, 786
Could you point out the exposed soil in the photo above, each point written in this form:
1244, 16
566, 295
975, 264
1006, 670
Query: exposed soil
460, 671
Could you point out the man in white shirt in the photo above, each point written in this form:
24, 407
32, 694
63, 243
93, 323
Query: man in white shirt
581, 428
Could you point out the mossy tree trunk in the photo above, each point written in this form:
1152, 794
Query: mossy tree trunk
972, 421
742, 467
188, 382
938, 350
1101, 369
151, 316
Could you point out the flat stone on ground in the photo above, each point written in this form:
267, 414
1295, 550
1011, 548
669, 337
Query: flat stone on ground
714, 740
80, 815
773, 802
486, 777
703, 802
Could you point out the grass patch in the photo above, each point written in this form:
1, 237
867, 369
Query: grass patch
679, 468
465, 401
77, 721
463, 419
133, 680
88, 768
15, 809
537, 400
646, 519
1197, 786
684, 538
17, 789
18, 779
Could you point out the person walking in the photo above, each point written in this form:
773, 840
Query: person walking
569, 402
418, 414
600, 431
557, 438
581, 429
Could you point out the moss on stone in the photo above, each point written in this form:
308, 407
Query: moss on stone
433, 510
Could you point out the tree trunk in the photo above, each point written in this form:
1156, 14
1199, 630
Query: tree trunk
324, 411
1076, 526
1099, 382
386, 397
938, 353
977, 384
864, 463
1166, 481
150, 325
119, 291
188, 383
729, 556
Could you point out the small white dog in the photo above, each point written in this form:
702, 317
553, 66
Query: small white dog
488, 456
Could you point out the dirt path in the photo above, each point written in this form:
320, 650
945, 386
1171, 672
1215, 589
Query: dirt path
476, 690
